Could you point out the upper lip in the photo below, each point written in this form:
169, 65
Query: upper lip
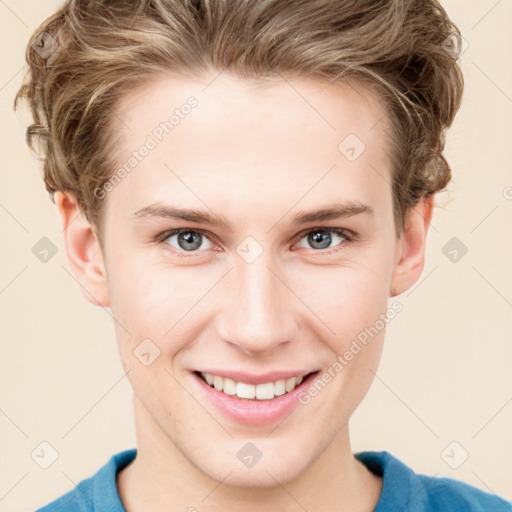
251, 378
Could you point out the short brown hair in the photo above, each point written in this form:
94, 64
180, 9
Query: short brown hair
102, 49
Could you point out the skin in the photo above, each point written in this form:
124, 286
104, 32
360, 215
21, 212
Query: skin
257, 156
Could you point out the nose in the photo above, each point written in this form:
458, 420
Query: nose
257, 315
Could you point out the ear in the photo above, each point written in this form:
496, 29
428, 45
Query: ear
83, 250
410, 248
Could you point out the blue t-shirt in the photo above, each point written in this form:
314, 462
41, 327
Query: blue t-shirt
403, 490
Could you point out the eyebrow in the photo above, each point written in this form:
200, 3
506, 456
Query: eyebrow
159, 210
334, 211
330, 212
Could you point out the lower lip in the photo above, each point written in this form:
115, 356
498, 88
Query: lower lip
255, 412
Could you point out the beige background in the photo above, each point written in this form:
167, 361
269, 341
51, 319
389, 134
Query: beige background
446, 372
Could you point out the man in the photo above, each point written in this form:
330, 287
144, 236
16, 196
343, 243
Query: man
246, 185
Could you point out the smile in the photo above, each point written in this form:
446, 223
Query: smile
262, 402
263, 391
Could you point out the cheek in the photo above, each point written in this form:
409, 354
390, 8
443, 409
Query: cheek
155, 301
154, 294
356, 312
346, 299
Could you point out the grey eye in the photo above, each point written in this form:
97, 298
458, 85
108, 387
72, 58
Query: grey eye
187, 240
322, 238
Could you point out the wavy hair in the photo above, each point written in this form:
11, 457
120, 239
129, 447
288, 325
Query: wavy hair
84, 58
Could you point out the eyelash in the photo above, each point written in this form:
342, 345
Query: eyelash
348, 235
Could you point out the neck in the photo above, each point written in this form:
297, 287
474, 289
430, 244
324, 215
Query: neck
162, 479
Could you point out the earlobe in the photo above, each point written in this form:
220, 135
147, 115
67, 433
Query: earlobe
410, 249
83, 250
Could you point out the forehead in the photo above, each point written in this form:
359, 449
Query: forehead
267, 138
224, 98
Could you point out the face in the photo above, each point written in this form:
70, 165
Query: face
255, 288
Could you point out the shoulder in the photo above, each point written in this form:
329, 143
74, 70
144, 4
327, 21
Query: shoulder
450, 494
404, 489
98, 492
78, 499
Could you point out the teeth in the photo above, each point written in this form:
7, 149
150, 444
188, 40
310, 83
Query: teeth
280, 387
229, 386
290, 384
265, 391
217, 382
244, 390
